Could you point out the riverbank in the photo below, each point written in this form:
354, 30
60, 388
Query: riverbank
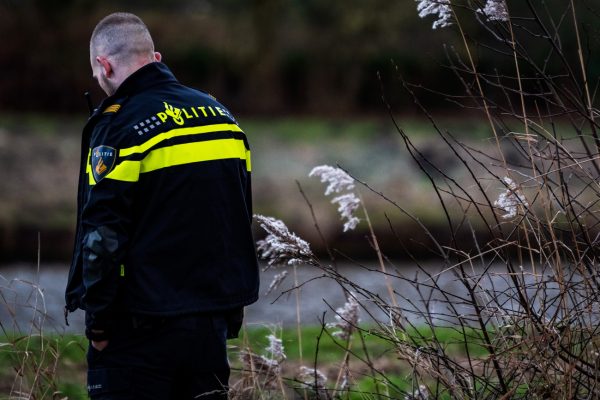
36, 297
32, 321
40, 155
433, 321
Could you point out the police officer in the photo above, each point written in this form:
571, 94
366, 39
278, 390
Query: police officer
164, 259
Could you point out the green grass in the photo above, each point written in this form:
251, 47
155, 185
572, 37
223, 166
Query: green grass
395, 382
357, 128
311, 128
332, 348
293, 128
68, 376
42, 125
56, 362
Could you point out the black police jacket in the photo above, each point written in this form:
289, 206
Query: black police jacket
164, 205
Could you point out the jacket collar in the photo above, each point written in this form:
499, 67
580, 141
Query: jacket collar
149, 75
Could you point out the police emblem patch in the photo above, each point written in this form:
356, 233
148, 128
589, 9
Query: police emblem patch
103, 161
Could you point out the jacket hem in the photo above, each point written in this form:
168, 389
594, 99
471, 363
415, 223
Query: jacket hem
205, 307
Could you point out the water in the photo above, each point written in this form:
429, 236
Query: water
25, 290
28, 296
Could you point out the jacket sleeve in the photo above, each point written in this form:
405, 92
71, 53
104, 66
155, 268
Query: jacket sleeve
247, 179
106, 230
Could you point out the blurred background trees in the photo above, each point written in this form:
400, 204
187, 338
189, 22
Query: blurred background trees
257, 56
298, 72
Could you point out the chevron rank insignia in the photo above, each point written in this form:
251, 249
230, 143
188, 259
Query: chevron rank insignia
111, 109
103, 161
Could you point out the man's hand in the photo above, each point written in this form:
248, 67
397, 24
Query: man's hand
99, 345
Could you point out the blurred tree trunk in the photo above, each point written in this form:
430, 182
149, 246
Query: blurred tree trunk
264, 88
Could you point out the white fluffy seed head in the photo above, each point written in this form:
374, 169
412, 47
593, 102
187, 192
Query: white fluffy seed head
277, 279
338, 180
307, 376
510, 199
347, 205
495, 10
440, 8
275, 348
346, 318
281, 247
420, 393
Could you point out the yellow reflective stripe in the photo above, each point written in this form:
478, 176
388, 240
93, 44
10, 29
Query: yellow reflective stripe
195, 130
128, 171
88, 170
193, 152
180, 154
248, 161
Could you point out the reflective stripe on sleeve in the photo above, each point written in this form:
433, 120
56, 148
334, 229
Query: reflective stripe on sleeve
219, 149
88, 169
187, 153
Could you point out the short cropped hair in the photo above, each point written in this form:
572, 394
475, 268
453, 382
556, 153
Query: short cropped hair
122, 36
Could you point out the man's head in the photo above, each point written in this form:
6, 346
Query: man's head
120, 45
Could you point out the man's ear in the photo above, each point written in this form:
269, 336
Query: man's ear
106, 67
157, 56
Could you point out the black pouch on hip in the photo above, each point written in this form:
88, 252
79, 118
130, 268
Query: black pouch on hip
234, 322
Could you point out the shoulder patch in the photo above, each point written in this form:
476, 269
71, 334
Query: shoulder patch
111, 109
103, 161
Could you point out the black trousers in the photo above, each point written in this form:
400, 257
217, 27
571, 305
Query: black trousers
181, 357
